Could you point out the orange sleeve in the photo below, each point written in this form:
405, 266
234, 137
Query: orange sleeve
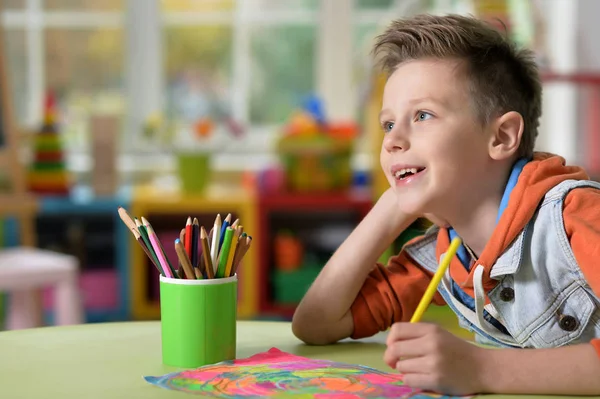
390, 294
581, 216
596, 344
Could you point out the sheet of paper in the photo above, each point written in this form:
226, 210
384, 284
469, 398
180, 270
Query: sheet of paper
280, 374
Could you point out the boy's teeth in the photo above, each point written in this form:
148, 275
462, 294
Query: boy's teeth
404, 171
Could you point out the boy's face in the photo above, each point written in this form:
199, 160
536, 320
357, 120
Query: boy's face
434, 151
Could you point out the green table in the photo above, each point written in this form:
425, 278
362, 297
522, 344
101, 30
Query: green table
109, 360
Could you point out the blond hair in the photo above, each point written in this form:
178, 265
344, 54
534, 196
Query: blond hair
501, 77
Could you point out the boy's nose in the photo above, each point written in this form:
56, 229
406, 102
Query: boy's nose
395, 141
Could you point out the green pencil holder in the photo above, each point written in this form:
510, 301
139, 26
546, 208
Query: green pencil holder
194, 171
198, 321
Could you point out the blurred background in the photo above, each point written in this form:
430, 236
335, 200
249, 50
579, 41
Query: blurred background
265, 109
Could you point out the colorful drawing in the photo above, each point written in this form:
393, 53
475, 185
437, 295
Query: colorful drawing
279, 374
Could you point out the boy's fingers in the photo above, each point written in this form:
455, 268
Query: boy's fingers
414, 365
405, 331
405, 349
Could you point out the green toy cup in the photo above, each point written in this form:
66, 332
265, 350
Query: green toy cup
194, 171
198, 321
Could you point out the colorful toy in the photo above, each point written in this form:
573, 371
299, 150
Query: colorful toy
315, 153
48, 173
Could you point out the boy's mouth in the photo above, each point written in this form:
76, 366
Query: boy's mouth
403, 173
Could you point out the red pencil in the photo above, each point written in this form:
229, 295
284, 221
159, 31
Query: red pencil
188, 237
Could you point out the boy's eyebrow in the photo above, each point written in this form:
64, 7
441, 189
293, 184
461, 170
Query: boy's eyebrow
441, 102
383, 112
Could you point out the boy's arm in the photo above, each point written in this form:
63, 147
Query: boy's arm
323, 316
581, 217
568, 370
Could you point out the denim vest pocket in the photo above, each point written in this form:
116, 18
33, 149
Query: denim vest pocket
571, 320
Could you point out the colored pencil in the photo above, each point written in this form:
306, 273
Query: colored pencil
159, 250
144, 233
215, 239
185, 260
238, 249
245, 247
208, 266
224, 254
126, 218
140, 240
195, 234
182, 239
435, 281
233, 248
226, 223
188, 237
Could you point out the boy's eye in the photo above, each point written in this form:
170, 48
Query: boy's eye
388, 126
422, 115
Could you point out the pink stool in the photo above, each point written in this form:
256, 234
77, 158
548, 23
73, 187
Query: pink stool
23, 271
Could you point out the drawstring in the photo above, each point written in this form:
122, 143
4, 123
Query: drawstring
480, 300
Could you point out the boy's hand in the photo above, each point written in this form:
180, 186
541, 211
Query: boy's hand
433, 359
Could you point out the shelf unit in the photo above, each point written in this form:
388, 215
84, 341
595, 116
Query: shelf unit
167, 212
307, 216
89, 228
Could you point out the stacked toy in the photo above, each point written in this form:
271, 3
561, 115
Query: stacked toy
48, 174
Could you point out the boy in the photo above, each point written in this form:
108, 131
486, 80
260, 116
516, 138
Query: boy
460, 117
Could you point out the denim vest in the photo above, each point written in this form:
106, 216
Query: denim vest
542, 297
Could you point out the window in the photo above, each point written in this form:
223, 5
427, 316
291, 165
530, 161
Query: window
251, 61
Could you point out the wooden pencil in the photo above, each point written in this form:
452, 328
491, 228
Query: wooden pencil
126, 218
144, 234
140, 240
158, 248
188, 237
185, 260
182, 239
215, 239
224, 253
234, 244
226, 223
195, 232
236, 258
243, 251
208, 266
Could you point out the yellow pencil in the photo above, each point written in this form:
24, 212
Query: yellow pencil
231, 254
435, 281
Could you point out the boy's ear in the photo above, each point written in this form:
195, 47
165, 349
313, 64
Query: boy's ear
506, 135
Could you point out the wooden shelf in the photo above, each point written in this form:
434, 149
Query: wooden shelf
305, 211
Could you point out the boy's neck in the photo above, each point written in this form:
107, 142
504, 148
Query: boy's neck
475, 224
